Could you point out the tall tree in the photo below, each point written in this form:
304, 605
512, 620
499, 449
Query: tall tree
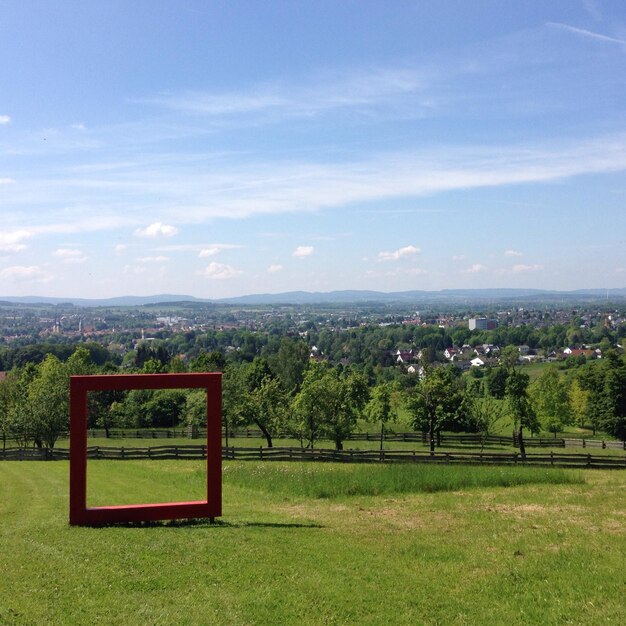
435, 401
550, 398
48, 401
379, 408
519, 407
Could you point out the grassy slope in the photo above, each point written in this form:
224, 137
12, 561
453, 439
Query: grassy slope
549, 554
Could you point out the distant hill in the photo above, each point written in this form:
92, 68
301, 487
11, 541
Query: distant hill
118, 301
454, 296
421, 297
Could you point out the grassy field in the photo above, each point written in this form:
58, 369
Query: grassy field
404, 545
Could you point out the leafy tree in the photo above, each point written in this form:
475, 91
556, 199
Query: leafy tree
379, 408
551, 400
8, 401
579, 403
326, 405
48, 401
485, 412
291, 363
519, 407
208, 362
164, 408
435, 401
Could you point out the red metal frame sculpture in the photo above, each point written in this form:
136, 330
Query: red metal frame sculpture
82, 515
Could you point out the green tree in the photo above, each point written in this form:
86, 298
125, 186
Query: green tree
435, 401
8, 401
48, 401
326, 405
519, 407
291, 362
551, 400
485, 412
579, 403
379, 408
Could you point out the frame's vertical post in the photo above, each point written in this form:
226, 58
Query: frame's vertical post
78, 452
214, 445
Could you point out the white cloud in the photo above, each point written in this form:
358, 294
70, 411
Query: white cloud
22, 273
272, 269
512, 253
458, 257
475, 269
522, 269
157, 229
153, 259
70, 255
119, 249
587, 33
11, 242
370, 89
302, 251
6, 181
406, 251
219, 271
134, 270
4, 119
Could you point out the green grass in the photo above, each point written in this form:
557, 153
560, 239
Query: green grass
473, 554
341, 480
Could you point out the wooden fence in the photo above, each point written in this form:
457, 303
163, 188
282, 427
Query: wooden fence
447, 439
326, 455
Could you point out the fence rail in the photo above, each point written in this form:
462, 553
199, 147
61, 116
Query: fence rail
411, 436
324, 455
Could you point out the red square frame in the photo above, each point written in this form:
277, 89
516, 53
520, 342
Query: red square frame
211, 507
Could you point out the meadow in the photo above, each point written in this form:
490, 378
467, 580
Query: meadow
318, 544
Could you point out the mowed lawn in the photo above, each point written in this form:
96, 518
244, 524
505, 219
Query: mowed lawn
549, 548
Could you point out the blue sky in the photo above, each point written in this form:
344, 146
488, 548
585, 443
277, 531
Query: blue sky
227, 147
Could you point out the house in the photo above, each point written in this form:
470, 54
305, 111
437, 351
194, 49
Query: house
477, 362
450, 353
404, 357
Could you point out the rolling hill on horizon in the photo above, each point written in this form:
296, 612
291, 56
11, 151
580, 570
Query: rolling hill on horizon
340, 297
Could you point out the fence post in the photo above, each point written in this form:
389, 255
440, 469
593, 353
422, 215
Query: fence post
261, 452
551, 457
122, 451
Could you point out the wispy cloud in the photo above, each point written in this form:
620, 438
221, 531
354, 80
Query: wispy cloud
302, 251
476, 268
26, 274
153, 259
12, 242
512, 253
220, 271
589, 34
523, 269
4, 119
273, 269
71, 255
216, 248
6, 181
400, 253
358, 89
157, 230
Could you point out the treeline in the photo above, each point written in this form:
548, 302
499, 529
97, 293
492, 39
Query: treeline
290, 394
369, 347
